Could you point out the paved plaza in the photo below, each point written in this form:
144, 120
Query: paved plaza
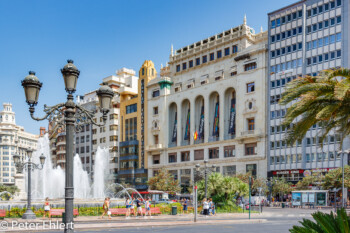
271, 220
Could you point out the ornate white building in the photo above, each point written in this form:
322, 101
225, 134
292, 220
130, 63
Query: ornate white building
13, 139
212, 106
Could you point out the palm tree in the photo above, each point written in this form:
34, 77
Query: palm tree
325, 223
324, 99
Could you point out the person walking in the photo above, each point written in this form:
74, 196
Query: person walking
148, 207
185, 206
133, 206
47, 208
106, 208
205, 207
139, 207
127, 206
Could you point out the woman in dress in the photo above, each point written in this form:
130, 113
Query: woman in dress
205, 207
47, 208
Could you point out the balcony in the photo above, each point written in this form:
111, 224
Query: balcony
172, 144
199, 141
185, 143
213, 138
257, 133
154, 147
229, 136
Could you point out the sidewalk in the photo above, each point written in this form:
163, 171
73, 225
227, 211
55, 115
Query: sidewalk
93, 222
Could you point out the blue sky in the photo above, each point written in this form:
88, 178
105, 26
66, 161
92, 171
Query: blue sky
103, 36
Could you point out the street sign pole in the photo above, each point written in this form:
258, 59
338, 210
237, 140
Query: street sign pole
195, 204
250, 184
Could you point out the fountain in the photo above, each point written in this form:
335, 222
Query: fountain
2, 194
50, 182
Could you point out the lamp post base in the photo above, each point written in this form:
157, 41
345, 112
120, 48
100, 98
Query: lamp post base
29, 214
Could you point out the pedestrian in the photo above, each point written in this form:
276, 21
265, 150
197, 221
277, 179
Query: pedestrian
133, 205
185, 205
205, 207
139, 207
105, 208
148, 207
47, 208
127, 206
211, 207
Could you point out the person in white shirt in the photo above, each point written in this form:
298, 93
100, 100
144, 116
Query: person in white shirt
205, 207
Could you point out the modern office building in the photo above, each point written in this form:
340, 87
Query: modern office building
211, 107
304, 38
13, 139
134, 129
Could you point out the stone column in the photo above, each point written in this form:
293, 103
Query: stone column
221, 115
192, 121
179, 122
206, 118
20, 183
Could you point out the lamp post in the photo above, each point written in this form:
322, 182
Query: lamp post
29, 166
196, 194
206, 170
73, 117
342, 171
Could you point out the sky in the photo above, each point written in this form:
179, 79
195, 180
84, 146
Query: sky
102, 37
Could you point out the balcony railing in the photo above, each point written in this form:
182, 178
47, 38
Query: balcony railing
251, 132
155, 147
214, 138
199, 141
185, 143
229, 136
172, 144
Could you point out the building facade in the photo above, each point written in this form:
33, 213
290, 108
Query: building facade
134, 130
13, 139
108, 135
212, 107
304, 38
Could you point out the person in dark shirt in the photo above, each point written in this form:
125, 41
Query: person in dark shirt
139, 207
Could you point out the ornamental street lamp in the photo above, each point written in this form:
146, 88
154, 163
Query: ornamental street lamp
196, 195
343, 201
74, 115
29, 166
207, 170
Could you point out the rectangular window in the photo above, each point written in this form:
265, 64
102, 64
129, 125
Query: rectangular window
156, 159
82, 149
338, 19
300, 29
229, 170
326, 24
185, 156
184, 66
283, 19
294, 15
250, 87
251, 168
320, 58
214, 153
283, 51
211, 56
190, 64
300, 46
283, 35
338, 53
338, 36
131, 108
326, 57
155, 111
272, 39
332, 21
300, 13
251, 124
198, 61
289, 33
314, 11
272, 53
178, 68
294, 47
320, 25
250, 66
199, 155
235, 48
218, 54
332, 39
326, 40
326, 7
338, 2
273, 24
155, 93
308, 13
294, 31
320, 42
82, 139
308, 29
314, 27
172, 158
332, 4
229, 151
278, 22
308, 61
227, 51
332, 55
204, 59
289, 49
278, 37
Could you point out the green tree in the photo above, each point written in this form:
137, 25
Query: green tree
333, 179
281, 186
324, 99
164, 181
325, 223
316, 179
223, 189
258, 182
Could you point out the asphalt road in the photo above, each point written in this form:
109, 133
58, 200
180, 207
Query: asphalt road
278, 221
